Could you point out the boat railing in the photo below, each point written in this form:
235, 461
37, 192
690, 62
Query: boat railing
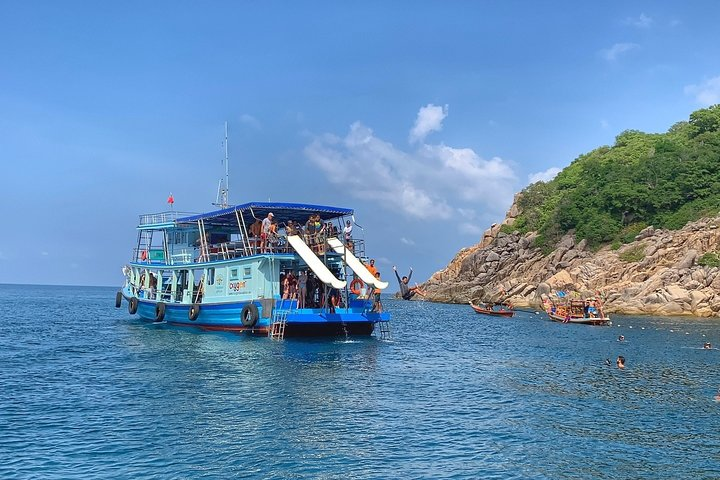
162, 217
276, 244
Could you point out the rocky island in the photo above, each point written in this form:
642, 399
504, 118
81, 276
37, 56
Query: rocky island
636, 224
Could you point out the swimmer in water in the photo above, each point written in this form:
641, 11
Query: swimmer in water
620, 362
717, 397
707, 346
621, 338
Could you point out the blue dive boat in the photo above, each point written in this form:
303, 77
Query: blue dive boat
218, 271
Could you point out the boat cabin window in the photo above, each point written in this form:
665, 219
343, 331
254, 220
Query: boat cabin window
233, 274
210, 279
216, 238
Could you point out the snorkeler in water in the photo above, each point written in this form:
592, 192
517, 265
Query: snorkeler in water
405, 291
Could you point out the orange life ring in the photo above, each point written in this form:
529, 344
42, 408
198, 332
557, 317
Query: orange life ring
356, 285
143, 255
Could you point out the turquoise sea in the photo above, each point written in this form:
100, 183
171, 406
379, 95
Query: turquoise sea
90, 392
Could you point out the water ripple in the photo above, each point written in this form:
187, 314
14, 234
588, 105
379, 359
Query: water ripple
89, 392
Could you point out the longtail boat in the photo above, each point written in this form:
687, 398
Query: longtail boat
491, 311
585, 312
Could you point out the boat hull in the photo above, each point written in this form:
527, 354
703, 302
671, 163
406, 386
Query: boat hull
494, 313
299, 322
580, 320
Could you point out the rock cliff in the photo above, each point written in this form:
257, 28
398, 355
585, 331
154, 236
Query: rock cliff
656, 274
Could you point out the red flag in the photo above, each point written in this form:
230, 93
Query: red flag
171, 200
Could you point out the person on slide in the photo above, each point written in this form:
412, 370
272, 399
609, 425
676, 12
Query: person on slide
407, 292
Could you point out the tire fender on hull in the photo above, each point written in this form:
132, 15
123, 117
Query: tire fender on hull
249, 315
159, 311
194, 311
132, 305
118, 299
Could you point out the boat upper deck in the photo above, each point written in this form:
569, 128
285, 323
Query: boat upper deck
246, 214
179, 238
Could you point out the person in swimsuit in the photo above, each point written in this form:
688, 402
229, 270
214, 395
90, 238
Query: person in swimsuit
377, 302
266, 229
405, 291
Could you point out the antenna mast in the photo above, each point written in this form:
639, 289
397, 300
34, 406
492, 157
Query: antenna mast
224, 189
226, 197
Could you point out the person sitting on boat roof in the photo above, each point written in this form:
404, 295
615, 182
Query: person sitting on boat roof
407, 292
265, 232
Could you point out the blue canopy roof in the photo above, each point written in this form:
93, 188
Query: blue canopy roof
282, 212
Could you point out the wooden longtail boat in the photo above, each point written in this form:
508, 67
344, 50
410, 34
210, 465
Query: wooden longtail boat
574, 311
496, 313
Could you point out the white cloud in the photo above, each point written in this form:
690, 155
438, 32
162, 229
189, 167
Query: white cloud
250, 121
467, 213
429, 119
470, 228
707, 93
383, 260
643, 21
611, 54
406, 241
604, 124
430, 182
545, 176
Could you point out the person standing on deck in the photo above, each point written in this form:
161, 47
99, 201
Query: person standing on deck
302, 288
310, 231
377, 302
265, 232
371, 267
407, 292
347, 232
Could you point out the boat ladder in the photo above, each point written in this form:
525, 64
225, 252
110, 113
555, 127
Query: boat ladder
279, 319
384, 330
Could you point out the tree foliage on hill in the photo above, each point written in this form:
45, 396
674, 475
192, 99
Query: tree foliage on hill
611, 193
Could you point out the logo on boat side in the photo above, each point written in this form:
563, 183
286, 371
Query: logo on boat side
236, 285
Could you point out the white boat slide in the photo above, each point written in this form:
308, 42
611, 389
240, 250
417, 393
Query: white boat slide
356, 265
315, 264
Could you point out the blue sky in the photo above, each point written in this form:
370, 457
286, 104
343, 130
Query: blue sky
425, 117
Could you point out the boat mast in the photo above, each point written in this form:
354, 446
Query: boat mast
226, 196
224, 188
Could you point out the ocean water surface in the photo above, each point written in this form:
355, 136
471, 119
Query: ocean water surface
88, 391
